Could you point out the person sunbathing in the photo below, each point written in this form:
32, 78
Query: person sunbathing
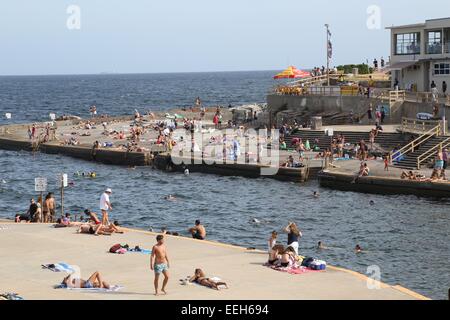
112, 228
200, 278
94, 281
288, 257
97, 230
274, 254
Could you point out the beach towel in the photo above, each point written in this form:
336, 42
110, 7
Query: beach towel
10, 296
59, 267
99, 290
292, 270
142, 251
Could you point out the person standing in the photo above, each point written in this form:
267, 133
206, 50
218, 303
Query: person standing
369, 113
444, 88
293, 235
272, 240
383, 114
105, 206
50, 203
159, 263
32, 210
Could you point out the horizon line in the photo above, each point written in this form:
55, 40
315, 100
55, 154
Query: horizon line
106, 73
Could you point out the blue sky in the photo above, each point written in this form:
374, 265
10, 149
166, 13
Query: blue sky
140, 36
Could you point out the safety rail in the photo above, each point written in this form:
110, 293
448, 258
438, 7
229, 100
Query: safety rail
419, 126
431, 152
410, 147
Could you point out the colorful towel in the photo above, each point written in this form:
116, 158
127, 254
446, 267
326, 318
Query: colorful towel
100, 290
292, 269
143, 251
59, 267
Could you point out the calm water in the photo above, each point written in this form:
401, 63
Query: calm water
33, 98
406, 236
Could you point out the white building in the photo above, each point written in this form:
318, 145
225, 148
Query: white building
420, 54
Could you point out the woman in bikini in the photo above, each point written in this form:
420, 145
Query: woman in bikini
288, 257
274, 254
94, 281
200, 278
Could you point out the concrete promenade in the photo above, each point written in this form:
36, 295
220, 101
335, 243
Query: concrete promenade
24, 247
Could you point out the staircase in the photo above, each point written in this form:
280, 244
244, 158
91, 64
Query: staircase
387, 141
410, 160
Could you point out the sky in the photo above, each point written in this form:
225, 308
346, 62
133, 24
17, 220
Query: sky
148, 36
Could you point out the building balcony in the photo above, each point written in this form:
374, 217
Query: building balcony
434, 48
437, 48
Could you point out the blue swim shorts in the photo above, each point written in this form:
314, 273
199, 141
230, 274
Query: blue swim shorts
160, 268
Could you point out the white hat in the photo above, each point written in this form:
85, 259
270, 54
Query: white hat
108, 190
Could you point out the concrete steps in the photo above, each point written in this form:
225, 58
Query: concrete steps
387, 141
410, 161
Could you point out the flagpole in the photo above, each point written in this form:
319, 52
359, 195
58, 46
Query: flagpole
327, 26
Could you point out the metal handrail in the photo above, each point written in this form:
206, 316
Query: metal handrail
417, 142
431, 152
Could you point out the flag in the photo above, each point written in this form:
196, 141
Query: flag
330, 49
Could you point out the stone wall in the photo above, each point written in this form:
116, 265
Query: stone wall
358, 105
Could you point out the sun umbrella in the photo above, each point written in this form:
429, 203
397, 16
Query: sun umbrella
292, 73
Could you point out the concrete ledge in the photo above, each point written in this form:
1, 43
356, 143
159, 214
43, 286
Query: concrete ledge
242, 269
248, 170
383, 185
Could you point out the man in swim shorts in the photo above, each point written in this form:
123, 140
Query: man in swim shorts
199, 231
159, 263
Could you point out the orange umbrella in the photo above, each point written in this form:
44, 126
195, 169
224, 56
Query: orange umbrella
292, 73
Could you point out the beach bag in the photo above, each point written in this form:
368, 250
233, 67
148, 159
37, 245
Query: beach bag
115, 248
318, 265
307, 262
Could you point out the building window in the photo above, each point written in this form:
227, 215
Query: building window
442, 69
407, 43
434, 45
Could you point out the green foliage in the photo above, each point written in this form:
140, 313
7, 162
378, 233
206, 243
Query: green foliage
362, 68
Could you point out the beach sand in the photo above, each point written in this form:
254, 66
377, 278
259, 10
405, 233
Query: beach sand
24, 247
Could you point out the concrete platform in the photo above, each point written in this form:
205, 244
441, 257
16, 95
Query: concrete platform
24, 247
343, 176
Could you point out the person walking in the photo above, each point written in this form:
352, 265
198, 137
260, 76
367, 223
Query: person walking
383, 114
293, 235
105, 206
159, 263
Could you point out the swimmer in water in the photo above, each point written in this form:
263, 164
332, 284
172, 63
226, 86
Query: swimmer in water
320, 246
254, 220
316, 194
170, 197
358, 249
372, 202
186, 172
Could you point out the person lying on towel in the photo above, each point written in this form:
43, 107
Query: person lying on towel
94, 281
